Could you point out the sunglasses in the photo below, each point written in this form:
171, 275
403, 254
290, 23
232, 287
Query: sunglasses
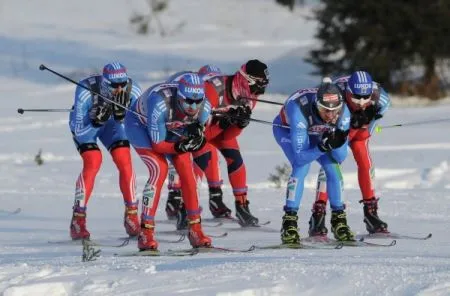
193, 101
116, 85
361, 99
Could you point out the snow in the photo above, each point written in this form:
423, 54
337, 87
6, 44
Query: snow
412, 162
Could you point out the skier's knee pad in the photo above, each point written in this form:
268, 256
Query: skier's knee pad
202, 160
236, 159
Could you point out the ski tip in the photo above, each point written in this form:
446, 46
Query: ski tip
429, 236
393, 243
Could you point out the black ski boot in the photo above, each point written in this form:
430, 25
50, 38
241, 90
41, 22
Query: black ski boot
182, 222
173, 204
339, 227
289, 230
317, 220
216, 206
243, 213
373, 223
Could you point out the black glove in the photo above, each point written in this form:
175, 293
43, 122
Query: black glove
226, 119
122, 98
363, 117
195, 129
100, 113
190, 144
332, 140
243, 116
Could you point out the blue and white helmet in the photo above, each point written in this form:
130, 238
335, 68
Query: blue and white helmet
360, 84
208, 71
191, 92
115, 75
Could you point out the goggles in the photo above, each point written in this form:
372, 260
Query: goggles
252, 80
323, 109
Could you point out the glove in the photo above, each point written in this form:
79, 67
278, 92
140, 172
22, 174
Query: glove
332, 140
243, 116
100, 113
226, 119
359, 119
190, 144
372, 113
122, 98
363, 117
194, 129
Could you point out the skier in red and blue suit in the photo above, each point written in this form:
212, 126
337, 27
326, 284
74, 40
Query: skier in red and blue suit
368, 102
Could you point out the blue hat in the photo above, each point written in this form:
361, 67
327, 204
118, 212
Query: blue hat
208, 71
190, 86
115, 73
360, 83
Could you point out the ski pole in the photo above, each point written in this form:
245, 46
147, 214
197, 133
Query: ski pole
379, 128
43, 67
264, 101
252, 119
269, 123
21, 111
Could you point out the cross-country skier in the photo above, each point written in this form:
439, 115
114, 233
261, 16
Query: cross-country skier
318, 122
172, 126
94, 118
233, 98
174, 205
367, 102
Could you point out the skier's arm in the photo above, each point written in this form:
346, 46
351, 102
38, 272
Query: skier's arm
136, 92
83, 103
156, 125
343, 124
383, 104
299, 136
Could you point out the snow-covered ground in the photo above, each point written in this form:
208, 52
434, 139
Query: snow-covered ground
412, 163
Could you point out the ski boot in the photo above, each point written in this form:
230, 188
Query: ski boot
146, 240
339, 227
196, 236
216, 206
317, 220
182, 222
78, 224
289, 230
243, 212
373, 223
173, 203
131, 220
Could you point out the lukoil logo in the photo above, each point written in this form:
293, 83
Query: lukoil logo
117, 75
195, 90
364, 87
